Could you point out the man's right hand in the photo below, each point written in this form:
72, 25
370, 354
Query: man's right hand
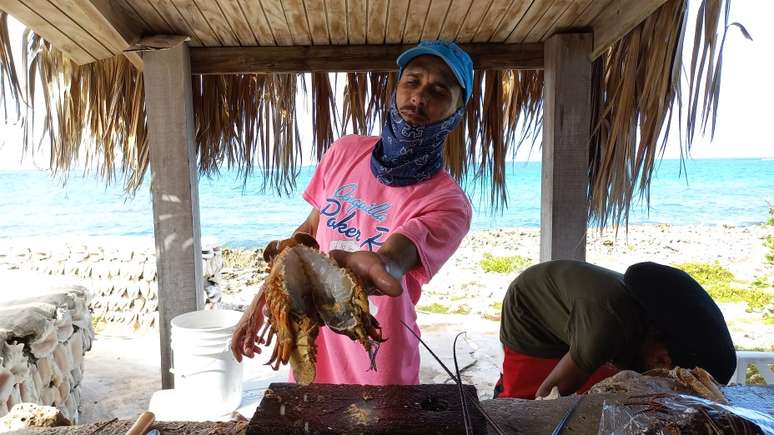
566, 376
245, 340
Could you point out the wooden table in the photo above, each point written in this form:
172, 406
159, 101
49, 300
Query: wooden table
516, 416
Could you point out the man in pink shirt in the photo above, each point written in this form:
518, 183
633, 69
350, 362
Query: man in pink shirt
385, 207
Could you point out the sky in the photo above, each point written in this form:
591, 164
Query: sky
744, 117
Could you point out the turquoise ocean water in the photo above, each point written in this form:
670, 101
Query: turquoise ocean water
32, 204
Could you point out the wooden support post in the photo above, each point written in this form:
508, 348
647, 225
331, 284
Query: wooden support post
566, 130
174, 185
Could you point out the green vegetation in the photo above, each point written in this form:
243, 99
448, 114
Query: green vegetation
241, 268
755, 349
494, 312
754, 375
494, 317
709, 275
761, 282
97, 324
462, 309
717, 280
504, 264
437, 308
434, 308
768, 242
243, 259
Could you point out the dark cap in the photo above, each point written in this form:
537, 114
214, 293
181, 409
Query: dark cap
691, 323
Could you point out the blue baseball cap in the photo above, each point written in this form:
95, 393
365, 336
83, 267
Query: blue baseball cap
459, 62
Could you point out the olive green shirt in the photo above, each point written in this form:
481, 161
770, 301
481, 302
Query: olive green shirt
564, 305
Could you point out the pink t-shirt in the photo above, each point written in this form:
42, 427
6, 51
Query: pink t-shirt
359, 213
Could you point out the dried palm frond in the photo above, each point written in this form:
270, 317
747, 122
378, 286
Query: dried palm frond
95, 113
324, 113
523, 93
380, 92
282, 169
709, 20
9, 80
367, 98
455, 152
460, 150
355, 97
227, 120
499, 119
492, 160
637, 90
92, 114
472, 118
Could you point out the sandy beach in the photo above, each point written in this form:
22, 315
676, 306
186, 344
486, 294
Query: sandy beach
462, 297
741, 250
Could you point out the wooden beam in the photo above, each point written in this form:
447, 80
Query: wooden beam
617, 19
119, 17
175, 191
396, 21
58, 38
84, 30
70, 27
355, 58
566, 131
116, 23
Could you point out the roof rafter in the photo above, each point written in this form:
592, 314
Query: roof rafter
617, 19
96, 21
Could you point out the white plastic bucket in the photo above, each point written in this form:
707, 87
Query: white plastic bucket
206, 373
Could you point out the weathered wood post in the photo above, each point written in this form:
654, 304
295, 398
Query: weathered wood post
566, 130
175, 191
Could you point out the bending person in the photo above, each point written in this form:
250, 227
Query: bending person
569, 324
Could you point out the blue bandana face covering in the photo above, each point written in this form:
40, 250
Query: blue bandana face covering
408, 154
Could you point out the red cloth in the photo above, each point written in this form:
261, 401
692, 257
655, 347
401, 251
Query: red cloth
523, 374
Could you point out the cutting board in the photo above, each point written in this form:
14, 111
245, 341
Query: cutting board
364, 409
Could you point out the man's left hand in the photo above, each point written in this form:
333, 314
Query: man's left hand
372, 268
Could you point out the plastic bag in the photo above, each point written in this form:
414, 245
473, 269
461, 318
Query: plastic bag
670, 414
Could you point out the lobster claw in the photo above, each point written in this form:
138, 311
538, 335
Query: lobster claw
275, 247
306, 240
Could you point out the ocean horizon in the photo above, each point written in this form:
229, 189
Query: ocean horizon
237, 214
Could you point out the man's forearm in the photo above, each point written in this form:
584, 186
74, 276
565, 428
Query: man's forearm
309, 226
399, 254
566, 376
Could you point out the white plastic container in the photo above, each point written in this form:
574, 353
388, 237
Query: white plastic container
207, 376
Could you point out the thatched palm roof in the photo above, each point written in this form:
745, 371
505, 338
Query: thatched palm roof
93, 101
